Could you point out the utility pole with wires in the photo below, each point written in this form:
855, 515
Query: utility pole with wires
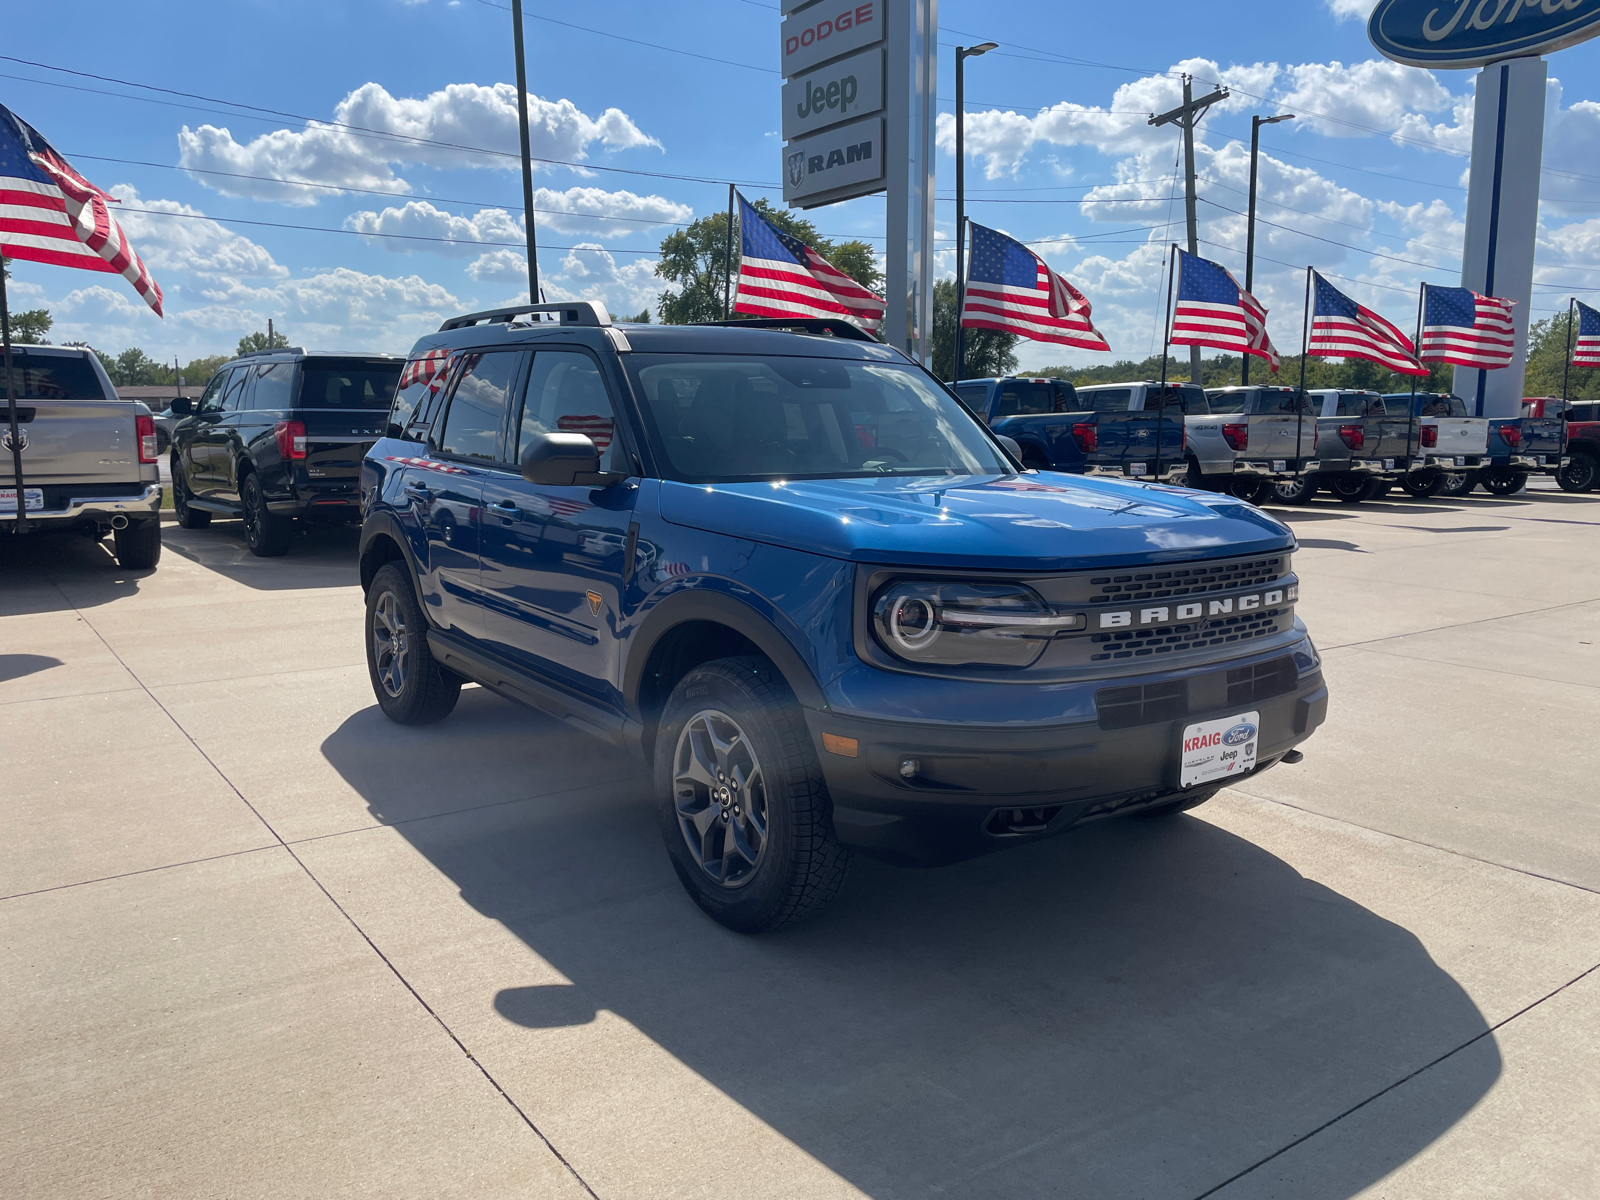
1186, 116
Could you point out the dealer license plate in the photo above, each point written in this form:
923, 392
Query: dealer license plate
1136, 469
1388, 464
1461, 460
1279, 465
1219, 749
32, 499
1544, 461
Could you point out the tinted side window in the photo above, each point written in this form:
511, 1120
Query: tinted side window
347, 383
274, 386
416, 397
1024, 399
1283, 402
1173, 399
1106, 400
1352, 404
565, 394
211, 400
973, 399
233, 398
477, 412
52, 377
1066, 396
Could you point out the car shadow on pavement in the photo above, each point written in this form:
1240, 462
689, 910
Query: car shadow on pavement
319, 555
33, 567
1144, 1008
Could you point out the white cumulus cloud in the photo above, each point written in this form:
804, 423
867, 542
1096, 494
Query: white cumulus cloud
170, 236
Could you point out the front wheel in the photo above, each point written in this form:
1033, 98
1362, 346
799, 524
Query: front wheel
1503, 481
138, 545
1423, 484
412, 689
1348, 488
744, 808
1244, 487
1580, 474
266, 535
188, 518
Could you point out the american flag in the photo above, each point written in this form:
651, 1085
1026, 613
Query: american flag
1587, 352
1213, 310
51, 214
1341, 328
1010, 288
781, 276
1459, 326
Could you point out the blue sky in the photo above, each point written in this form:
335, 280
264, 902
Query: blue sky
1370, 172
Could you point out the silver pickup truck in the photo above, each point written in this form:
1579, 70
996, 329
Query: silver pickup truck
89, 461
1266, 433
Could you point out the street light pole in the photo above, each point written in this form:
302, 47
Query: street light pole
1250, 223
527, 156
963, 53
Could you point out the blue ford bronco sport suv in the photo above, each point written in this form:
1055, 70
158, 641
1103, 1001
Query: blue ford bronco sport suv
783, 562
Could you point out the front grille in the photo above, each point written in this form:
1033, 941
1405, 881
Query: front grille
1186, 581
1125, 707
1218, 631
1174, 699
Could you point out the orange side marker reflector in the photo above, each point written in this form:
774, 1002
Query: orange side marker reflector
834, 744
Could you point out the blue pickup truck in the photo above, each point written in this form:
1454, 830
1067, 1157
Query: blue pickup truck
783, 564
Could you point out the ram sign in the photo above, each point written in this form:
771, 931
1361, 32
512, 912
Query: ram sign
1471, 33
816, 169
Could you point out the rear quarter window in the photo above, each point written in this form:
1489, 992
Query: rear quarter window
417, 392
53, 377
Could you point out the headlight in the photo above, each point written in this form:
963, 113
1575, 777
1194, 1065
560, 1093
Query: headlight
960, 624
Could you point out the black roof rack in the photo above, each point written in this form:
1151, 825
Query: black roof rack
571, 312
822, 326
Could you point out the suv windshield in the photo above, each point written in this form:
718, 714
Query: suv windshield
53, 377
347, 383
736, 419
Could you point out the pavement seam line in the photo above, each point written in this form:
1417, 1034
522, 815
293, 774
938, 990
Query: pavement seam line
1400, 837
1463, 624
188, 862
1305, 1137
299, 862
1445, 662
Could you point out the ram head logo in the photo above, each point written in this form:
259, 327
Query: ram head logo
797, 168
21, 443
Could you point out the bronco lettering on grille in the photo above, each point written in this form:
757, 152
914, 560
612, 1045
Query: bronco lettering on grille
1163, 614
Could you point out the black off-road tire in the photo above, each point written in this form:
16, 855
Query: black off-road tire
426, 692
801, 864
188, 518
1424, 484
1243, 487
267, 535
1580, 474
1033, 459
1347, 487
1503, 481
138, 545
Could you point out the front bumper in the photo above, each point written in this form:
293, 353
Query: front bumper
975, 790
100, 509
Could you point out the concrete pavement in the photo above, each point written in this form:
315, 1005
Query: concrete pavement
257, 941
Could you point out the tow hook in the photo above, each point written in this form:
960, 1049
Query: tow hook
1292, 757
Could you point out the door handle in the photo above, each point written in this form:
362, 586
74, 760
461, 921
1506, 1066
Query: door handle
418, 489
505, 508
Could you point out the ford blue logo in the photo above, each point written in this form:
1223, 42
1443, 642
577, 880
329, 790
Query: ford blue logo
1470, 33
1239, 734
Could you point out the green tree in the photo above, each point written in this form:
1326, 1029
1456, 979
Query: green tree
987, 352
1547, 354
1223, 371
258, 340
28, 328
197, 371
695, 259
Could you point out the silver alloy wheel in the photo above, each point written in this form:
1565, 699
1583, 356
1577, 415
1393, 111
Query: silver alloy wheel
1290, 490
391, 644
720, 794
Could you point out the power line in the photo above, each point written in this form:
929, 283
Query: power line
728, 62
1411, 262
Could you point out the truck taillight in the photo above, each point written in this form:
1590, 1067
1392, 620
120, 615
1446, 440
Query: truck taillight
1512, 435
1087, 437
1430, 435
1353, 436
1237, 436
291, 437
146, 428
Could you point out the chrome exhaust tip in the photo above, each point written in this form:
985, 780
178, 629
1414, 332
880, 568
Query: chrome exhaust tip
119, 522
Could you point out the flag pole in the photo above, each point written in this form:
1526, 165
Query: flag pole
1166, 342
1422, 299
1300, 402
12, 403
529, 226
727, 264
1566, 365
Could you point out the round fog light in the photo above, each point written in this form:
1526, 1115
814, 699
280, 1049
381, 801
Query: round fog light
909, 767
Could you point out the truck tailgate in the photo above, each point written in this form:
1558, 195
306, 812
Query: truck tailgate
1461, 435
74, 441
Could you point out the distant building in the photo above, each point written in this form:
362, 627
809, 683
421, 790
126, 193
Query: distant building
156, 396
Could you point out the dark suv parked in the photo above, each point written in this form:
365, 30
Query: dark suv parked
813, 590
279, 435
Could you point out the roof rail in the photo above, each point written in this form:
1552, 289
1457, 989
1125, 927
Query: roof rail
272, 350
572, 312
826, 326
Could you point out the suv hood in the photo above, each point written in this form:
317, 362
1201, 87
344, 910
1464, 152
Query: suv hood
1028, 522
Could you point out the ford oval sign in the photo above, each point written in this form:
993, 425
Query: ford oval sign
1470, 33
1239, 734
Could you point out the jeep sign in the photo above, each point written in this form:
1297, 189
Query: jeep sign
816, 167
826, 30
841, 91
1470, 33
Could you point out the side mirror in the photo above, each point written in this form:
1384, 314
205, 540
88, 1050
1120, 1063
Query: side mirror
182, 406
564, 460
1011, 445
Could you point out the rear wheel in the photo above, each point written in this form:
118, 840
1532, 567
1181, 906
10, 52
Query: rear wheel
1460, 483
744, 808
1375, 489
266, 535
1348, 487
138, 545
1504, 481
1294, 491
1244, 487
1034, 460
412, 689
188, 518
1580, 474
1423, 484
